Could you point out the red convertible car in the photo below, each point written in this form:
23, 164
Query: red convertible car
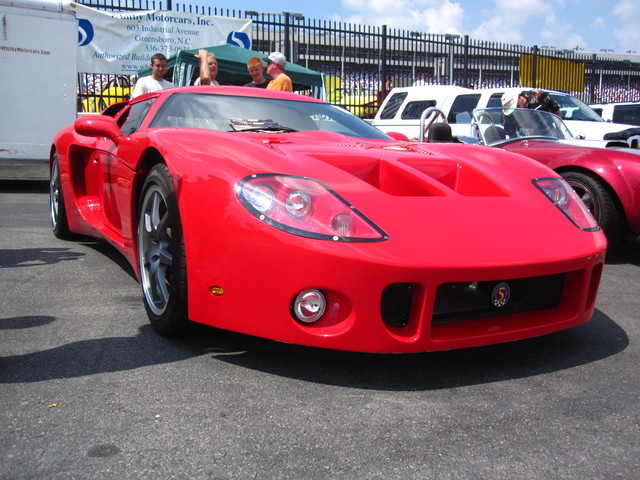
281, 216
606, 179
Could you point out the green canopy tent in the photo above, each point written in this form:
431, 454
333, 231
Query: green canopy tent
183, 68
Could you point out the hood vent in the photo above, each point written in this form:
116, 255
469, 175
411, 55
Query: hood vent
416, 175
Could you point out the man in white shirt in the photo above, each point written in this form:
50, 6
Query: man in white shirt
155, 81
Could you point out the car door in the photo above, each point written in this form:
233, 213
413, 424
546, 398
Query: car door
117, 166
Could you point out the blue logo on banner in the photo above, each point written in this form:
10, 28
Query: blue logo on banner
240, 39
85, 32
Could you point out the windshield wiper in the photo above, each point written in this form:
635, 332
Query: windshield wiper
254, 125
270, 128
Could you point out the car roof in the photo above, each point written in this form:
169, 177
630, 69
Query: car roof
517, 89
430, 88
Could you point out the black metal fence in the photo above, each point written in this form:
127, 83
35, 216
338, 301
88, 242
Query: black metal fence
363, 62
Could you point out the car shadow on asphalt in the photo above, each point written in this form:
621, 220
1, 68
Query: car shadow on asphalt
29, 257
110, 252
92, 356
593, 341
24, 186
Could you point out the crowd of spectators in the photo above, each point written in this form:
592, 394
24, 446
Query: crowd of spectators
363, 82
368, 82
617, 93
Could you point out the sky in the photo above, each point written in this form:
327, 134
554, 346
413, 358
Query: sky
583, 25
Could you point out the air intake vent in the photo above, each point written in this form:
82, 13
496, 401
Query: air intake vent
457, 302
395, 306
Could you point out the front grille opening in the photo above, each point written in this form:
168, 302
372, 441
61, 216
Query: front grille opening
593, 285
457, 302
395, 305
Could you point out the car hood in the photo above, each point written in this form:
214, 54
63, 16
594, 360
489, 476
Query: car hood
554, 148
468, 201
597, 144
597, 130
401, 168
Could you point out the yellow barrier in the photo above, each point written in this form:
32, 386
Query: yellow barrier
552, 74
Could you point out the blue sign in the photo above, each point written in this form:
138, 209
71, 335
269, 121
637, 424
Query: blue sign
240, 39
85, 32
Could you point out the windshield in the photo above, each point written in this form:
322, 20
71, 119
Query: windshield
228, 113
495, 125
575, 109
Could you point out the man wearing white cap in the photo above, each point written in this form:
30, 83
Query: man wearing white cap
275, 67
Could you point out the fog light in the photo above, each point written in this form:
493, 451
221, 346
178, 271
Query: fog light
309, 306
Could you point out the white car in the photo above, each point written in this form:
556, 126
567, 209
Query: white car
625, 112
401, 110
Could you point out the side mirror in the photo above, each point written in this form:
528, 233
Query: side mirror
398, 136
98, 126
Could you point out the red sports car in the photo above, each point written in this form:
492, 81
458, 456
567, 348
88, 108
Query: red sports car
606, 179
281, 216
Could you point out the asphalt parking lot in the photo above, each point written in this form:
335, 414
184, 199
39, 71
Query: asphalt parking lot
90, 391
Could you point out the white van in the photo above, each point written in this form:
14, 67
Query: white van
38, 82
401, 110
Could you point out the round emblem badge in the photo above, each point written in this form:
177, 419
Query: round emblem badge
500, 295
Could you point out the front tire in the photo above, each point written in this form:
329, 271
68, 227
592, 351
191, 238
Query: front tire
161, 254
600, 201
57, 209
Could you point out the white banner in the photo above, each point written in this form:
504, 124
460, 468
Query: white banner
124, 42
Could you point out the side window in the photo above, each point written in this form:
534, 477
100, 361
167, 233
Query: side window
130, 120
627, 114
462, 108
392, 106
495, 100
413, 110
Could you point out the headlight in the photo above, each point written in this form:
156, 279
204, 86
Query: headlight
298, 204
305, 207
260, 197
567, 201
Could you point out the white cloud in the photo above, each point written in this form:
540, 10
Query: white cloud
599, 23
443, 18
627, 9
561, 34
431, 16
627, 32
574, 40
566, 24
507, 20
530, 22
